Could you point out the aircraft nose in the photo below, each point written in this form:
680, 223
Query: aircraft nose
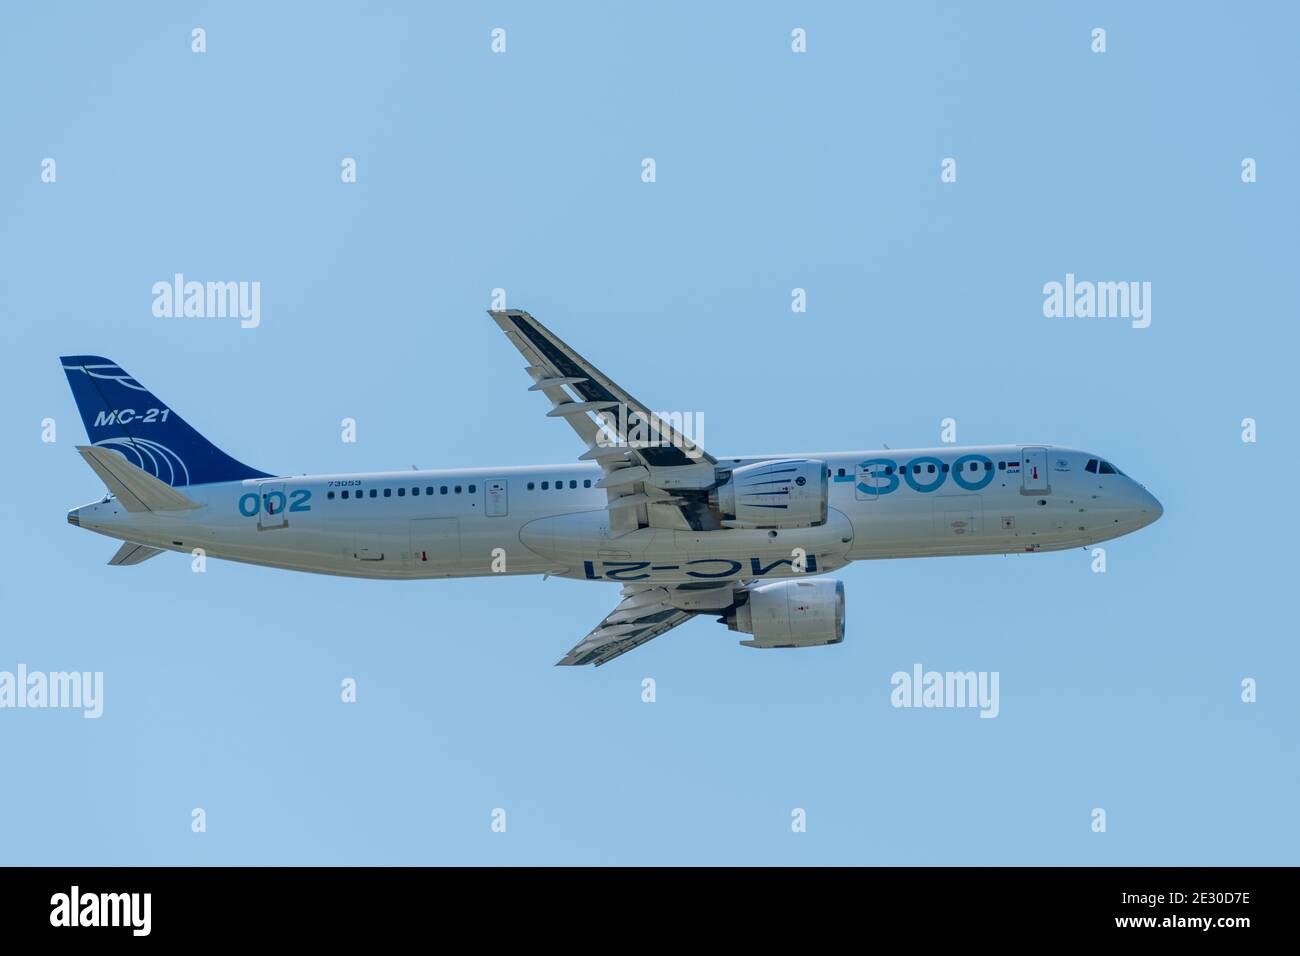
1149, 508
74, 517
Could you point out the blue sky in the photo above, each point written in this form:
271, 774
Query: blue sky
775, 170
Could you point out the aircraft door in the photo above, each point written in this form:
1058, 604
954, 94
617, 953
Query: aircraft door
871, 481
1033, 472
273, 506
497, 501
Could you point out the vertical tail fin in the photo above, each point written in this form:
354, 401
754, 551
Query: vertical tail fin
121, 414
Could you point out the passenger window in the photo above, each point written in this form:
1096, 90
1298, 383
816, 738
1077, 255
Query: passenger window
373, 493
916, 469
530, 486
840, 473
442, 490
458, 489
1091, 466
930, 469
586, 483
401, 492
573, 484
415, 491
988, 466
330, 496
471, 488
889, 469
546, 485
388, 492
944, 468
429, 490
345, 494
1107, 468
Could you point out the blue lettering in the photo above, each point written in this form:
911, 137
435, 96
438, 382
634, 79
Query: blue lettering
986, 466
910, 474
733, 567
623, 568
756, 567
880, 476
867, 474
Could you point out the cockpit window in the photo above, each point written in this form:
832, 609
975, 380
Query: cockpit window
1108, 469
1091, 466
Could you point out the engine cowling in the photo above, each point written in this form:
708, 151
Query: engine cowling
791, 614
774, 494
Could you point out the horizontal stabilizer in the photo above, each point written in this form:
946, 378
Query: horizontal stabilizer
132, 553
137, 490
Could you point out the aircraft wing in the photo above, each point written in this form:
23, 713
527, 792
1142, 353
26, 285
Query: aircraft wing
639, 618
654, 475
646, 611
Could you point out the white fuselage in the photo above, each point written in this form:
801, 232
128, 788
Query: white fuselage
552, 519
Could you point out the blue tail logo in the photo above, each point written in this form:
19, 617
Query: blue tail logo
122, 414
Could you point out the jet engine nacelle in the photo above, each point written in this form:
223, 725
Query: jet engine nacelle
774, 494
791, 614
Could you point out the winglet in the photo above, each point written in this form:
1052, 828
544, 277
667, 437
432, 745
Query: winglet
136, 489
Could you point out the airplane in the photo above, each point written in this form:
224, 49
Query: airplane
744, 539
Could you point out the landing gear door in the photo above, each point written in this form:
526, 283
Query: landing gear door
273, 512
497, 502
1033, 472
